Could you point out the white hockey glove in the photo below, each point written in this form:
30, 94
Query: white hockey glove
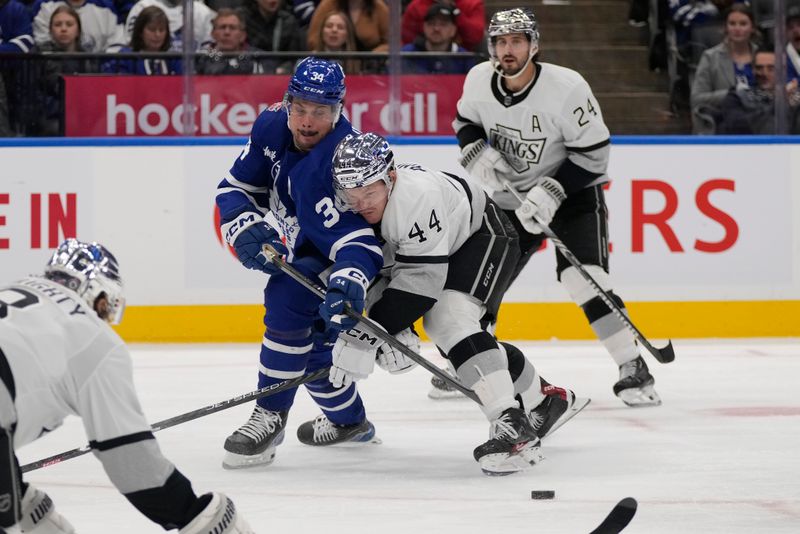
39, 515
483, 163
394, 361
353, 356
541, 204
219, 516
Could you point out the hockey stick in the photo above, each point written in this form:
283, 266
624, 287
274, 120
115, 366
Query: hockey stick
194, 414
665, 354
273, 256
618, 518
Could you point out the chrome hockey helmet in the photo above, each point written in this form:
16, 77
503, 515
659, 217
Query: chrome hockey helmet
517, 20
358, 161
91, 271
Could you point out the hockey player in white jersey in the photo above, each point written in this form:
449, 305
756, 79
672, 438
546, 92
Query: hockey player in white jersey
449, 253
539, 127
59, 357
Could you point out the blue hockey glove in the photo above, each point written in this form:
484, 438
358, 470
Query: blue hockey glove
248, 234
345, 286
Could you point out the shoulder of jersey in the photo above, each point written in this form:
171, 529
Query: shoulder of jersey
416, 185
480, 73
270, 121
562, 78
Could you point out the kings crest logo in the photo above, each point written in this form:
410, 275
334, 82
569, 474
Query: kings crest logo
519, 151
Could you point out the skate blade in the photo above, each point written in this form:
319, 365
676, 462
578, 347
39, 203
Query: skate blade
443, 394
577, 406
498, 465
242, 461
640, 397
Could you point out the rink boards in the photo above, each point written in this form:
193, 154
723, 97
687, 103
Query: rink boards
702, 234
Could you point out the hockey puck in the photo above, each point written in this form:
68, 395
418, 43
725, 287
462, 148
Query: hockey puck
543, 495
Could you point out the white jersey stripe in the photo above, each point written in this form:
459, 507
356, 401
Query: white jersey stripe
286, 349
284, 375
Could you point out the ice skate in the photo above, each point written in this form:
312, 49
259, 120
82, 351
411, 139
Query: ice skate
559, 406
635, 385
321, 432
253, 444
441, 390
512, 446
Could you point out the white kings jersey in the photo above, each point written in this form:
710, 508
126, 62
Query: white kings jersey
553, 119
428, 217
64, 360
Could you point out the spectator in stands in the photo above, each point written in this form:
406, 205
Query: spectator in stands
65, 36
751, 110
470, 21
216, 5
230, 36
370, 18
439, 30
338, 35
202, 15
15, 38
793, 43
303, 11
101, 29
151, 33
722, 67
272, 28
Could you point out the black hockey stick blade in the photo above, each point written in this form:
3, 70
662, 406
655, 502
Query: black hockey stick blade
266, 391
664, 354
619, 517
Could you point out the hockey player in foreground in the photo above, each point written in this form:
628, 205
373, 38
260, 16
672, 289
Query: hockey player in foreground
284, 171
538, 126
58, 357
449, 252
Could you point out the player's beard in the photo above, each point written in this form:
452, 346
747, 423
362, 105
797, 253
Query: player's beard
511, 69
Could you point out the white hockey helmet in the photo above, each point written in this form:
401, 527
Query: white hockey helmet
91, 271
517, 20
358, 161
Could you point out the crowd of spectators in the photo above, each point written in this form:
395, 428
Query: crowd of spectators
41, 40
722, 64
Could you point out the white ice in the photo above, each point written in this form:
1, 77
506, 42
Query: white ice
720, 455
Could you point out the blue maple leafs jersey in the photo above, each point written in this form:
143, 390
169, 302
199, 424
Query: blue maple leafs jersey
16, 34
295, 191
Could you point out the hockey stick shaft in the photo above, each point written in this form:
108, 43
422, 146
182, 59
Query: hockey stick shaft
665, 354
194, 414
303, 280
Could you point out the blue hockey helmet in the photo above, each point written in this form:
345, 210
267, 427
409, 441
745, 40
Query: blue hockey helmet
318, 80
358, 161
90, 270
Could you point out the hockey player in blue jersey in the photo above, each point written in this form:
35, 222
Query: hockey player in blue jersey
283, 176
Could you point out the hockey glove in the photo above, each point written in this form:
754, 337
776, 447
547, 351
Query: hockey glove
353, 356
39, 515
483, 163
248, 234
345, 286
392, 360
219, 516
541, 204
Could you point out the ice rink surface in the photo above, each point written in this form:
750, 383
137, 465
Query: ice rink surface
722, 454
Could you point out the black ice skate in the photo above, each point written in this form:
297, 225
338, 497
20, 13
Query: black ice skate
635, 385
441, 390
559, 406
254, 443
321, 432
512, 446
